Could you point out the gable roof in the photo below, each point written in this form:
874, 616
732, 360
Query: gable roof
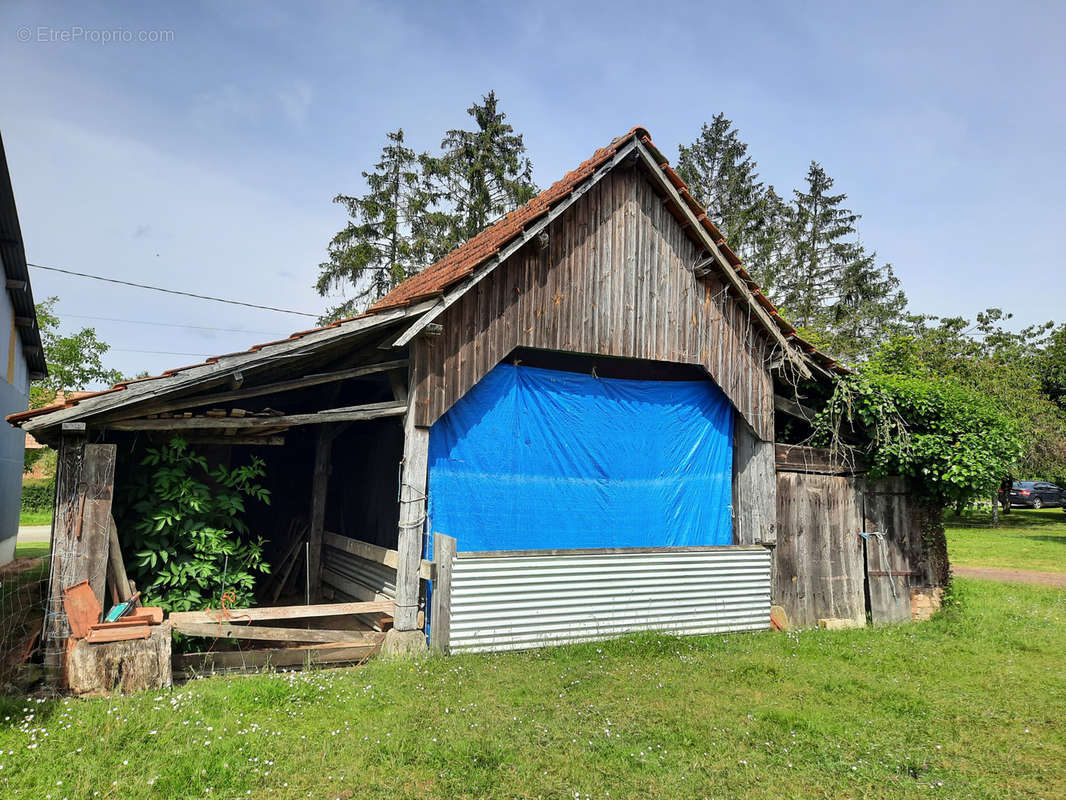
463, 262
415, 296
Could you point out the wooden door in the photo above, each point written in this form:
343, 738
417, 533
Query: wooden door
819, 555
892, 548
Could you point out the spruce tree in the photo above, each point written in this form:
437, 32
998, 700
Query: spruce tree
722, 177
869, 308
482, 174
820, 230
384, 241
835, 290
767, 250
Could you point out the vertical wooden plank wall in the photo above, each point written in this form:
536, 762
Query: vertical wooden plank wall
819, 565
754, 487
616, 279
887, 509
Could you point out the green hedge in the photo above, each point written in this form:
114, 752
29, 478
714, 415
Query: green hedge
38, 494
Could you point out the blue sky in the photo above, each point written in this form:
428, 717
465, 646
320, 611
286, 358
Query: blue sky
208, 162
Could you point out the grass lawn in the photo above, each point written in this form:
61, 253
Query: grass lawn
969, 705
31, 549
1034, 540
35, 518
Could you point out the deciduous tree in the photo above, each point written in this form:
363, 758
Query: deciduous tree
75, 360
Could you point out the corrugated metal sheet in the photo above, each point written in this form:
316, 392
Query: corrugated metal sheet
528, 600
357, 577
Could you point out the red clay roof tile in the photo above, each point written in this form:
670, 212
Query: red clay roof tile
437, 278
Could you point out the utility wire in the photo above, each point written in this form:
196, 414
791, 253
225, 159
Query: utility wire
160, 352
173, 325
171, 291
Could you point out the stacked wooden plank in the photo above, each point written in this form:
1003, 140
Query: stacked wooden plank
295, 646
217, 413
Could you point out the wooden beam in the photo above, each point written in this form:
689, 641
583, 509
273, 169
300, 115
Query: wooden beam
816, 460
245, 392
319, 489
440, 621
118, 567
412, 517
24, 322
220, 370
14, 285
338, 653
239, 615
259, 633
794, 409
348, 414
399, 386
287, 565
251, 441
373, 552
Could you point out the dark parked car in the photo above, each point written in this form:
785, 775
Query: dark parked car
1036, 494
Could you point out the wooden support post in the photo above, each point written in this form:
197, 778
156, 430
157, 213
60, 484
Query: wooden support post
440, 622
412, 516
319, 489
80, 534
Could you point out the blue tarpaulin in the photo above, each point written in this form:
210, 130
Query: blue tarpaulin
535, 459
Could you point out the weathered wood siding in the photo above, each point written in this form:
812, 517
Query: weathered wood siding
818, 460
80, 533
819, 571
754, 487
889, 510
616, 279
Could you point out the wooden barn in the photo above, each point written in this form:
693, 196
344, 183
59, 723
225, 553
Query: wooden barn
563, 430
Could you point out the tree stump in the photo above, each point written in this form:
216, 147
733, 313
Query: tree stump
123, 667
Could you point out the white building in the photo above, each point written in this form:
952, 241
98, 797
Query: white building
21, 359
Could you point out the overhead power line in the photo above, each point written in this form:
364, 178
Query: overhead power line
173, 325
172, 291
160, 352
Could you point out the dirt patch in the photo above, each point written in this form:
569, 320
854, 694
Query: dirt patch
1013, 575
18, 565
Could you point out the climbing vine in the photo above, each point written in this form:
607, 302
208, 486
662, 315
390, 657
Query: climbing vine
953, 444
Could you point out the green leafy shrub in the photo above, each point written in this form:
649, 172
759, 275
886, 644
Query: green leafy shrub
30, 457
954, 443
184, 530
38, 494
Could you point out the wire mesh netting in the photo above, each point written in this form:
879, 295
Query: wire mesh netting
23, 599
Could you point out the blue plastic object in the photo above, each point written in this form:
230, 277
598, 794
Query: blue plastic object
535, 459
